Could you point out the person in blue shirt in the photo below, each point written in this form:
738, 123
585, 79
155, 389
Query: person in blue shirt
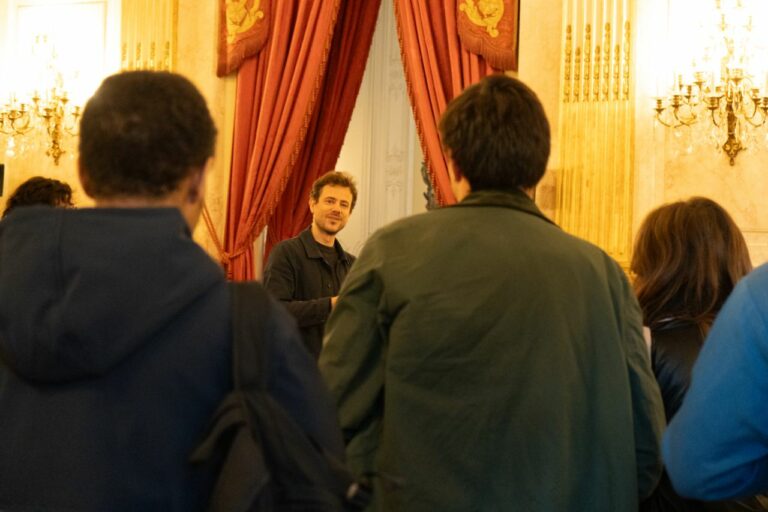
687, 258
716, 447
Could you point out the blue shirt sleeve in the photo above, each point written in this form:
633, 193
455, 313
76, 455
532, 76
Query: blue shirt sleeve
716, 447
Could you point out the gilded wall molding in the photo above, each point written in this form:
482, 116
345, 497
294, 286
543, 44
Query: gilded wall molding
595, 184
149, 34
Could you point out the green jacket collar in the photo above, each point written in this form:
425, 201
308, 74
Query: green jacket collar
515, 199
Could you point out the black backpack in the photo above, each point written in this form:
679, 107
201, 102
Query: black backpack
269, 463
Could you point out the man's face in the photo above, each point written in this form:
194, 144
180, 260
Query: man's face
331, 210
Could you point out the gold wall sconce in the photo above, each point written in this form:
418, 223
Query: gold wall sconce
51, 115
733, 104
45, 114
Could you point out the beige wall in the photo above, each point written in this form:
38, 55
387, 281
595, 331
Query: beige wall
541, 24
197, 60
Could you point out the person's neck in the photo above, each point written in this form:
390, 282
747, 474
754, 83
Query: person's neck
135, 202
173, 200
322, 237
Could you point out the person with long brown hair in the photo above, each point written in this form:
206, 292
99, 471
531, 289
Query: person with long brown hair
687, 259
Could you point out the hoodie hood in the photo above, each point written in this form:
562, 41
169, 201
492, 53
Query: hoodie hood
81, 290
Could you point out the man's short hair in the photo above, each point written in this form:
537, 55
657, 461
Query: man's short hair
39, 190
142, 133
497, 134
336, 179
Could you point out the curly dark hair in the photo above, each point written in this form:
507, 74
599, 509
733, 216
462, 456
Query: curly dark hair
142, 133
497, 134
39, 191
688, 257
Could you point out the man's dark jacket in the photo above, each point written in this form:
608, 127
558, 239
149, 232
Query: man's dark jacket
299, 276
115, 350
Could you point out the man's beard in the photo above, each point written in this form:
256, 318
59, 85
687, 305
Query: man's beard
323, 228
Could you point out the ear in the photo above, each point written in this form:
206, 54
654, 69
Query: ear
454, 169
312, 204
85, 181
196, 188
457, 174
459, 183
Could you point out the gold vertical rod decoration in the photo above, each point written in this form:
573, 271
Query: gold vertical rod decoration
149, 34
568, 125
174, 36
563, 178
591, 222
168, 14
167, 31
611, 156
577, 151
617, 162
613, 203
146, 35
138, 33
601, 126
123, 32
596, 180
574, 155
584, 172
125, 27
154, 32
629, 127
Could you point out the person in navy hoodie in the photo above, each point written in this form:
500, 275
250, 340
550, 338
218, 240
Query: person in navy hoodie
115, 326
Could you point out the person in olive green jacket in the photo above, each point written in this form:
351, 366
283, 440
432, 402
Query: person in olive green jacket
481, 358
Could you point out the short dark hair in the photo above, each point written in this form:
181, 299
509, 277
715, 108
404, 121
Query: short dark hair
337, 179
39, 190
688, 256
497, 134
142, 133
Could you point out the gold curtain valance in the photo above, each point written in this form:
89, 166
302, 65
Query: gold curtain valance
243, 30
489, 28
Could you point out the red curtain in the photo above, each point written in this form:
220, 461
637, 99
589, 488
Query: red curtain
330, 120
437, 68
276, 93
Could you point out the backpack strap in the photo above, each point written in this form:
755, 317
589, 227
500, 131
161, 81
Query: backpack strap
244, 470
269, 462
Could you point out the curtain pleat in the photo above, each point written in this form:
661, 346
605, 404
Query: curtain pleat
330, 120
437, 69
276, 94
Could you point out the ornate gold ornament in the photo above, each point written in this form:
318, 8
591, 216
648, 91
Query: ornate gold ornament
43, 112
241, 18
595, 180
484, 13
726, 85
